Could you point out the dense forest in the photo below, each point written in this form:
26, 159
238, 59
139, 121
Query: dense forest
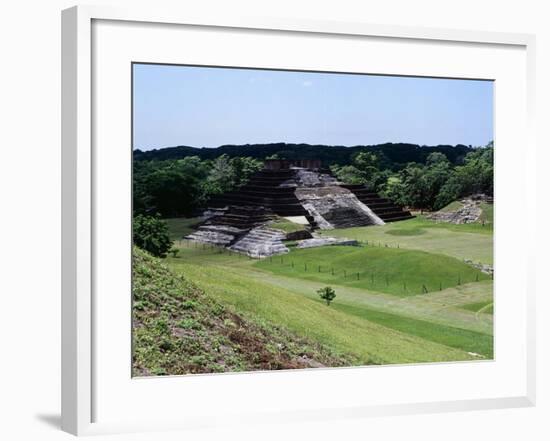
178, 181
396, 153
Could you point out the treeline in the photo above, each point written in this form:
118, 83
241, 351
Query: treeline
413, 176
430, 185
398, 154
177, 187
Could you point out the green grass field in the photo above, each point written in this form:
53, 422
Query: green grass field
386, 316
471, 341
286, 226
453, 206
178, 227
343, 332
485, 307
466, 241
486, 213
394, 271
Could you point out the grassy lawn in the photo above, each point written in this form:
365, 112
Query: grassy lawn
470, 341
179, 227
384, 317
287, 226
443, 307
453, 206
466, 241
340, 330
394, 271
485, 307
486, 213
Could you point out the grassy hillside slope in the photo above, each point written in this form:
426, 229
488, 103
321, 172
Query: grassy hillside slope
179, 329
394, 271
350, 333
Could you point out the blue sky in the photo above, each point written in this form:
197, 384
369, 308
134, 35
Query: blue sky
208, 107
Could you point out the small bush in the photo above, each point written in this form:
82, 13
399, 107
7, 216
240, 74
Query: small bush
327, 294
174, 252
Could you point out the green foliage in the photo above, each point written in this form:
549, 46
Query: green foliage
177, 187
243, 168
395, 153
475, 176
349, 174
369, 168
221, 177
150, 233
176, 184
227, 174
174, 252
170, 188
437, 183
327, 294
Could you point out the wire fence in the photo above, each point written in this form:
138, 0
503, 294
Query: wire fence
381, 280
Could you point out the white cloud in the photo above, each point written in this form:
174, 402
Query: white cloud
307, 83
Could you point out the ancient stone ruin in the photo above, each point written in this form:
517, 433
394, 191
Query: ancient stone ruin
469, 211
297, 190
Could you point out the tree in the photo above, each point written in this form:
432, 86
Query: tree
436, 158
474, 176
366, 160
348, 174
151, 234
222, 175
327, 294
412, 185
436, 174
243, 168
170, 188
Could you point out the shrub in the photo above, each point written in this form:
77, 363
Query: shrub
150, 233
327, 294
174, 252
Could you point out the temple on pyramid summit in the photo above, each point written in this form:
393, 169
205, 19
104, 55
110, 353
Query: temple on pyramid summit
300, 191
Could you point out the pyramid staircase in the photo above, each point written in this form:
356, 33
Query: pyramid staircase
382, 207
261, 242
242, 214
271, 190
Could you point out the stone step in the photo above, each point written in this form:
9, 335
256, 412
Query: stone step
253, 202
382, 207
261, 242
213, 238
222, 229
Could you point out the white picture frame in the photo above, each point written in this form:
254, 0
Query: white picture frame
83, 375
